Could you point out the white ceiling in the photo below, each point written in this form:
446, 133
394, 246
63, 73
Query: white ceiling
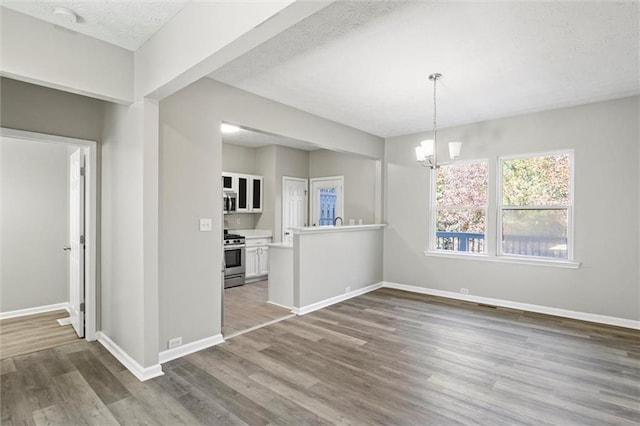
365, 63
256, 139
128, 24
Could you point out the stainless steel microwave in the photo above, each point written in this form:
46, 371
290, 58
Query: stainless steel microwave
229, 202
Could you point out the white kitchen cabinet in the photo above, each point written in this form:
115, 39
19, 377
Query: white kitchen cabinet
257, 258
248, 189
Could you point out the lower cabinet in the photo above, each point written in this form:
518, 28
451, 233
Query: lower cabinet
257, 259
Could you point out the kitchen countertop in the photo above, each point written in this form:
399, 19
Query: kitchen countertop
254, 233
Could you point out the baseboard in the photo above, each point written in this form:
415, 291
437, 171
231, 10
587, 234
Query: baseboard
189, 348
36, 310
583, 316
333, 300
142, 373
279, 305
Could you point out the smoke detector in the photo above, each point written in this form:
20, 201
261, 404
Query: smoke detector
65, 15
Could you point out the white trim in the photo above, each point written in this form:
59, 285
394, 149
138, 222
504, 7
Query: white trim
336, 299
64, 321
331, 228
565, 313
142, 373
339, 201
570, 264
189, 348
570, 208
279, 305
91, 191
255, 327
36, 310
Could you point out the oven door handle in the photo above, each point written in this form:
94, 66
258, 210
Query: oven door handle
234, 246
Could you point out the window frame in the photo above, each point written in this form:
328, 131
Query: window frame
500, 208
433, 223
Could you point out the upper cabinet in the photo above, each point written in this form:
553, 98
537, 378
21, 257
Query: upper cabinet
248, 188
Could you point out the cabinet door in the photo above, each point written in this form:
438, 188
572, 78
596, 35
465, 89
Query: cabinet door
252, 262
229, 182
263, 265
243, 194
256, 194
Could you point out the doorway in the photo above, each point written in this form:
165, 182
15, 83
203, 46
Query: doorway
80, 249
327, 200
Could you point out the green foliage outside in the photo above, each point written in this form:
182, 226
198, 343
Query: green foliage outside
540, 182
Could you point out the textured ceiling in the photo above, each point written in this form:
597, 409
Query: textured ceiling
365, 63
256, 139
127, 24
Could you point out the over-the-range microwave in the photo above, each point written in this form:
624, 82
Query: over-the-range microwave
229, 201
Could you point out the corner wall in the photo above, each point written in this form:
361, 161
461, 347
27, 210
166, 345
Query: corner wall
191, 188
605, 137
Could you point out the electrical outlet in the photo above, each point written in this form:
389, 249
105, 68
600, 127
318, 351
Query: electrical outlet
206, 224
174, 343
347, 289
464, 290
238, 221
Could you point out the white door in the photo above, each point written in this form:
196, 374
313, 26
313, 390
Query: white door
294, 206
327, 200
263, 264
251, 262
76, 240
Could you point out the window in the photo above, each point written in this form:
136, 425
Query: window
460, 207
535, 203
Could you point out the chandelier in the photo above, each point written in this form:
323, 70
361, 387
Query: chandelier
427, 151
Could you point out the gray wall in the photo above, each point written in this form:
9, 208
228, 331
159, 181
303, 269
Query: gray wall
190, 187
266, 167
359, 180
238, 159
34, 224
606, 142
39, 109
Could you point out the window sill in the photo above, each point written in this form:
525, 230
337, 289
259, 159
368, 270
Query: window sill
570, 264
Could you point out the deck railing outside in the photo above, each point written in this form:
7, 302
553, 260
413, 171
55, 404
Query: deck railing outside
513, 244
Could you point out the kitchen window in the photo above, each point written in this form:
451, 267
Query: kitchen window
459, 207
535, 205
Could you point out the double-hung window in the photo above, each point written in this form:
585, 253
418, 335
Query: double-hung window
535, 205
459, 204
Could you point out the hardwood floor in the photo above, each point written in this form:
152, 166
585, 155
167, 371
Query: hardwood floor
246, 307
387, 357
34, 333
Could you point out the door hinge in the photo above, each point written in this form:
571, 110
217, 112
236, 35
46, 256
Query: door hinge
305, 192
81, 239
82, 171
82, 307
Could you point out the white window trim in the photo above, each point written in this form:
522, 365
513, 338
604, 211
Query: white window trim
499, 208
434, 210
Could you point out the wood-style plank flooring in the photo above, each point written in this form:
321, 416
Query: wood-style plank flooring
34, 333
246, 307
384, 358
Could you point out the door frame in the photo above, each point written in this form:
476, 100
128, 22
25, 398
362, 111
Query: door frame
312, 205
282, 205
90, 149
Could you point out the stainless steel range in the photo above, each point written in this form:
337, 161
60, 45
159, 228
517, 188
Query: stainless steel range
234, 259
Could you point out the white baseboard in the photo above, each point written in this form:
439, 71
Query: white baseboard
189, 348
333, 300
279, 305
142, 373
33, 311
64, 321
583, 316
